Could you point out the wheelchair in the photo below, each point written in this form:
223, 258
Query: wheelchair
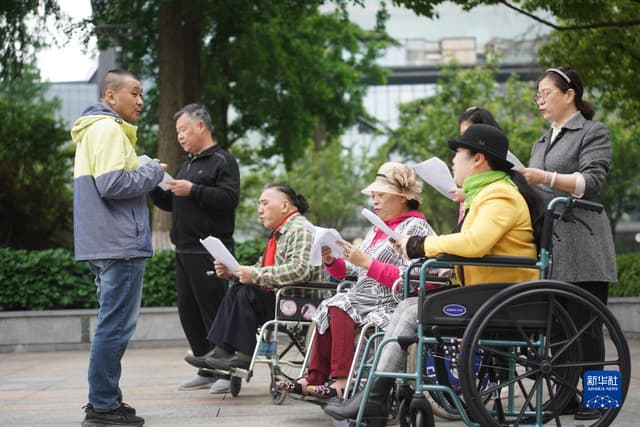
282, 342
519, 360
363, 351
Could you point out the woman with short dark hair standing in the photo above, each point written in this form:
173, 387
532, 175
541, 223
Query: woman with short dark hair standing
573, 158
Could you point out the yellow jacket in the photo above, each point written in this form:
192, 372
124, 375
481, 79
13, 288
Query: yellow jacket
498, 223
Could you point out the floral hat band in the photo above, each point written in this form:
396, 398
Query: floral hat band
396, 178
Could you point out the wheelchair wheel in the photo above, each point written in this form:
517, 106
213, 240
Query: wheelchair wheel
404, 416
235, 386
436, 368
277, 395
528, 341
421, 414
400, 399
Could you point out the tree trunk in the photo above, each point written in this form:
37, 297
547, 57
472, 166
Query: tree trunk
319, 135
179, 83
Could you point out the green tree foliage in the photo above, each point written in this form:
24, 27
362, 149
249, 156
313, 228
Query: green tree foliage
23, 32
279, 68
35, 165
330, 179
427, 124
599, 38
607, 58
622, 193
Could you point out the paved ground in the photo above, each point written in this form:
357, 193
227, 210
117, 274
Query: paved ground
48, 389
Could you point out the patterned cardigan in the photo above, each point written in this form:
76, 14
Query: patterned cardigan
370, 301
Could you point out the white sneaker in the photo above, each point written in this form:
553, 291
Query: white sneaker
221, 386
197, 383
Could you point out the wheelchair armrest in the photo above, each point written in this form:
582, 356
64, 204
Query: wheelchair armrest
489, 259
312, 285
345, 285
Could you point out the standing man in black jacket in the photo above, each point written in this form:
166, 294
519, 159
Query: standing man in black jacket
203, 198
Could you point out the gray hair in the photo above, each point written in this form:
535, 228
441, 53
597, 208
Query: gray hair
195, 112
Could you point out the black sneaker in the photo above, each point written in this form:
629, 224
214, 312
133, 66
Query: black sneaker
121, 416
130, 409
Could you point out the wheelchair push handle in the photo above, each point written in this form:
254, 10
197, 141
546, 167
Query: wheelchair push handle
587, 205
571, 202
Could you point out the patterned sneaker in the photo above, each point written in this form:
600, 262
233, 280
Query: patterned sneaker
221, 386
120, 416
197, 383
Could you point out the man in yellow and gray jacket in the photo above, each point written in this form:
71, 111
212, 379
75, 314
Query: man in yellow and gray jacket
112, 233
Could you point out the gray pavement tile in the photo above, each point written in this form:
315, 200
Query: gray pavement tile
49, 389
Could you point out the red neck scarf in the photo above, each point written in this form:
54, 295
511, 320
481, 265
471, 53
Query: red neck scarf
393, 223
269, 257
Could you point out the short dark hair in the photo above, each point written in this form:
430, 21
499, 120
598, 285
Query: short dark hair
298, 200
114, 80
195, 112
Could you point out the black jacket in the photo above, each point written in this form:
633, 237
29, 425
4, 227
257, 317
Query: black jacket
210, 207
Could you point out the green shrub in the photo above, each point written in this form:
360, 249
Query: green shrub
37, 280
248, 252
628, 276
51, 279
159, 288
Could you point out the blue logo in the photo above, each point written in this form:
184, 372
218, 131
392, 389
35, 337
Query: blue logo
602, 389
454, 310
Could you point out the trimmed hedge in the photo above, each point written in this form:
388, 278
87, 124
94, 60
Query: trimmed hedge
628, 276
51, 279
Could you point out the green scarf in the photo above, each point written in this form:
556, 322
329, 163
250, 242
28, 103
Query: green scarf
476, 183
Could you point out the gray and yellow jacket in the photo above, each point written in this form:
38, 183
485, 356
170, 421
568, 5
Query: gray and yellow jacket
110, 215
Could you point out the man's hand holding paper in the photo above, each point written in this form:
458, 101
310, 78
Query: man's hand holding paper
166, 179
220, 253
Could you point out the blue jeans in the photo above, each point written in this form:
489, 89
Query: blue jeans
119, 290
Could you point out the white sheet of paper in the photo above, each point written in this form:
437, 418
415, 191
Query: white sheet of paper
517, 164
436, 173
219, 251
144, 159
324, 237
375, 220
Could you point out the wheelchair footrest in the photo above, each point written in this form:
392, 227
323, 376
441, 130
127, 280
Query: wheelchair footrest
365, 423
235, 372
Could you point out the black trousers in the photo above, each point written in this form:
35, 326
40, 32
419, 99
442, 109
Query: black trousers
244, 309
592, 340
199, 297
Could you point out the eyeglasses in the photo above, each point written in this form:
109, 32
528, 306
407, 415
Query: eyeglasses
542, 96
